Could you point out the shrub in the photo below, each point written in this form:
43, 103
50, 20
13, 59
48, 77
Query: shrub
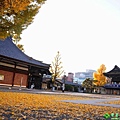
68, 87
75, 89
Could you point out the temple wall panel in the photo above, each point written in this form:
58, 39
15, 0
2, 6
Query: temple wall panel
7, 77
112, 92
20, 79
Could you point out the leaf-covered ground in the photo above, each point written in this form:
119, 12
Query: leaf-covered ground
113, 102
25, 106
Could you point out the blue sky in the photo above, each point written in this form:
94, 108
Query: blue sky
86, 32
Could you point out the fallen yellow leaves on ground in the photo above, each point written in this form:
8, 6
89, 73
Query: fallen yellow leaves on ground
26, 106
113, 102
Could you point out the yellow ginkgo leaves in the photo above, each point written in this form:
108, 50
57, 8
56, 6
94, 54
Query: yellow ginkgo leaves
25, 106
12, 5
101, 79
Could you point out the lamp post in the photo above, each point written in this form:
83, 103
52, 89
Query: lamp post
63, 86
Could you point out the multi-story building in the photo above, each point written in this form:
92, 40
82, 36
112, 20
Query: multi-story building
87, 74
81, 76
70, 77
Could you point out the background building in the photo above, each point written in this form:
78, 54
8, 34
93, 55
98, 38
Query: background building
70, 77
81, 76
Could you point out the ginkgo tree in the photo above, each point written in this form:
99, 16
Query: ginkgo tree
98, 76
16, 16
56, 67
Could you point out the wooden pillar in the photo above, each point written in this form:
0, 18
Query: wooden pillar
28, 84
106, 91
14, 75
112, 91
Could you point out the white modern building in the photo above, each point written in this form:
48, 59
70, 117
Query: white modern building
81, 76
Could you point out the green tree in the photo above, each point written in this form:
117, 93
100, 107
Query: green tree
88, 84
17, 15
68, 87
56, 67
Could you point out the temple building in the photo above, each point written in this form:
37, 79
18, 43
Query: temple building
113, 81
17, 68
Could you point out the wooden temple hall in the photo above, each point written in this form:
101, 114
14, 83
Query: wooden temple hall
113, 82
18, 69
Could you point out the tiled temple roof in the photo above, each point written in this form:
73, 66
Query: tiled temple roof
115, 72
10, 50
